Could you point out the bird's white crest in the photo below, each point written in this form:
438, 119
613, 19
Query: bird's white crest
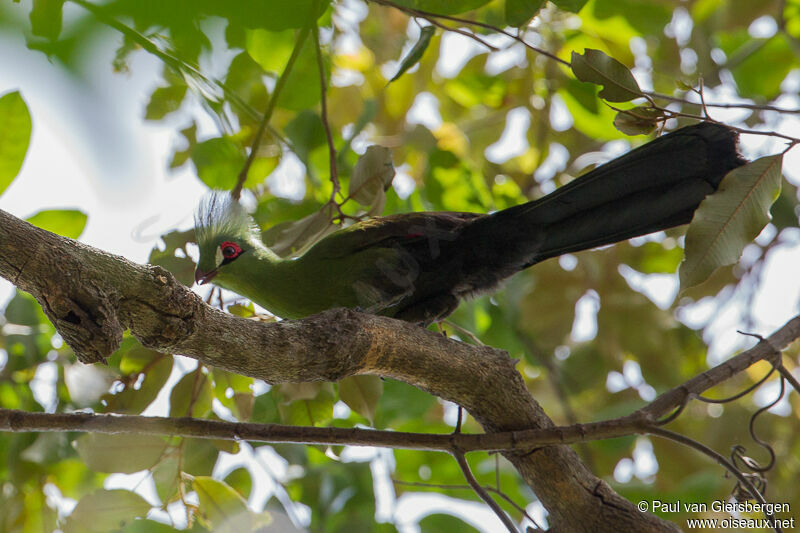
219, 214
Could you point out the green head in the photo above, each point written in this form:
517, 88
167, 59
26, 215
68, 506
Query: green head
224, 232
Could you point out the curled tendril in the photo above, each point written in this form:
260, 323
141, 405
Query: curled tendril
738, 395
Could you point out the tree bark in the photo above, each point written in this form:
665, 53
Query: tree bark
92, 297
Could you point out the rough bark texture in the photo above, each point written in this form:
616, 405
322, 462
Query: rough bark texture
92, 297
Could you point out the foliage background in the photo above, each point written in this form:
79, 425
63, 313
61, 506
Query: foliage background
597, 334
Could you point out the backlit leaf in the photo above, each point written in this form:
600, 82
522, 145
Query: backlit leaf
596, 67
519, 12
15, 135
361, 394
639, 120
106, 510
224, 508
729, 219
67, 222
372, 175
415, 54
124, 453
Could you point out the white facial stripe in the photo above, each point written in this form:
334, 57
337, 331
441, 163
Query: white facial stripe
218, 257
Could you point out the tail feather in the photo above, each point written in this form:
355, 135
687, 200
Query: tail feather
653, 187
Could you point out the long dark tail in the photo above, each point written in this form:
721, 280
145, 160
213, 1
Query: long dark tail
653, 187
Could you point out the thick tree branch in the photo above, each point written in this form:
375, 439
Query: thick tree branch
640, 421
91, 297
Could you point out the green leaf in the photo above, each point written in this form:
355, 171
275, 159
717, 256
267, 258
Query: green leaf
191, 396
754, 80
443, 7
520, 12
444, 522
15, 135
125, 454
305, 410
372, 175
224, 508
570, 5
361, 394
596, 67
180, 265
270, 49
293, 237
417, 51
218, 162
164, 101
306, 132
134, 401
46, 18
639, 120
106, 510
150, 526
67, 222
729, 219
240, 480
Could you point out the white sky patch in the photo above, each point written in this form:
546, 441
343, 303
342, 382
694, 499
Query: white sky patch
385, 497
560, 117
413, 506
680, 27
768, 392
643, 65
456, 50
513, 141
623, 472
425, 111
568, 262
506, 58
584, 327
763, 27
556, 161
43, 386
287, 180
402, 182
779, 295
141, 481
645, 462
661, 289
688, 60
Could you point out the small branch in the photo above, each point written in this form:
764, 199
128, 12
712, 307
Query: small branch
754, 107
236, 192
323, 92
480, 491
177, 64
788, 376
493, 490
691, 443
767, 349
431, 17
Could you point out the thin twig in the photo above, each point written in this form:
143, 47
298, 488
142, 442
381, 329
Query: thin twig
323, 89
699, 446
432, 16
445, 486
480, 491
788, 376
273, 100
754, 107
177, 64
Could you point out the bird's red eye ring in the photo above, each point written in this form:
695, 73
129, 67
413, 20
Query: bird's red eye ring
230, 250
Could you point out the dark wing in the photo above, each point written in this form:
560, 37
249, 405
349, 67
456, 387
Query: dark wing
390, 232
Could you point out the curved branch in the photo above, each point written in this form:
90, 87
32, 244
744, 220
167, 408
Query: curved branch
91, 297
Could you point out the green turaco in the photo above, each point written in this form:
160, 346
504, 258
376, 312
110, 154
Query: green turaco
418, 266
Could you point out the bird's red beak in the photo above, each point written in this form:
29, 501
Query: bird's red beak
201, 277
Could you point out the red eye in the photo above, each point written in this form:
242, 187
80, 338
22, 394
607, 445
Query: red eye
230, 250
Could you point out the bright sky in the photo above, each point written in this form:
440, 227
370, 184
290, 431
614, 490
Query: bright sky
92, 150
